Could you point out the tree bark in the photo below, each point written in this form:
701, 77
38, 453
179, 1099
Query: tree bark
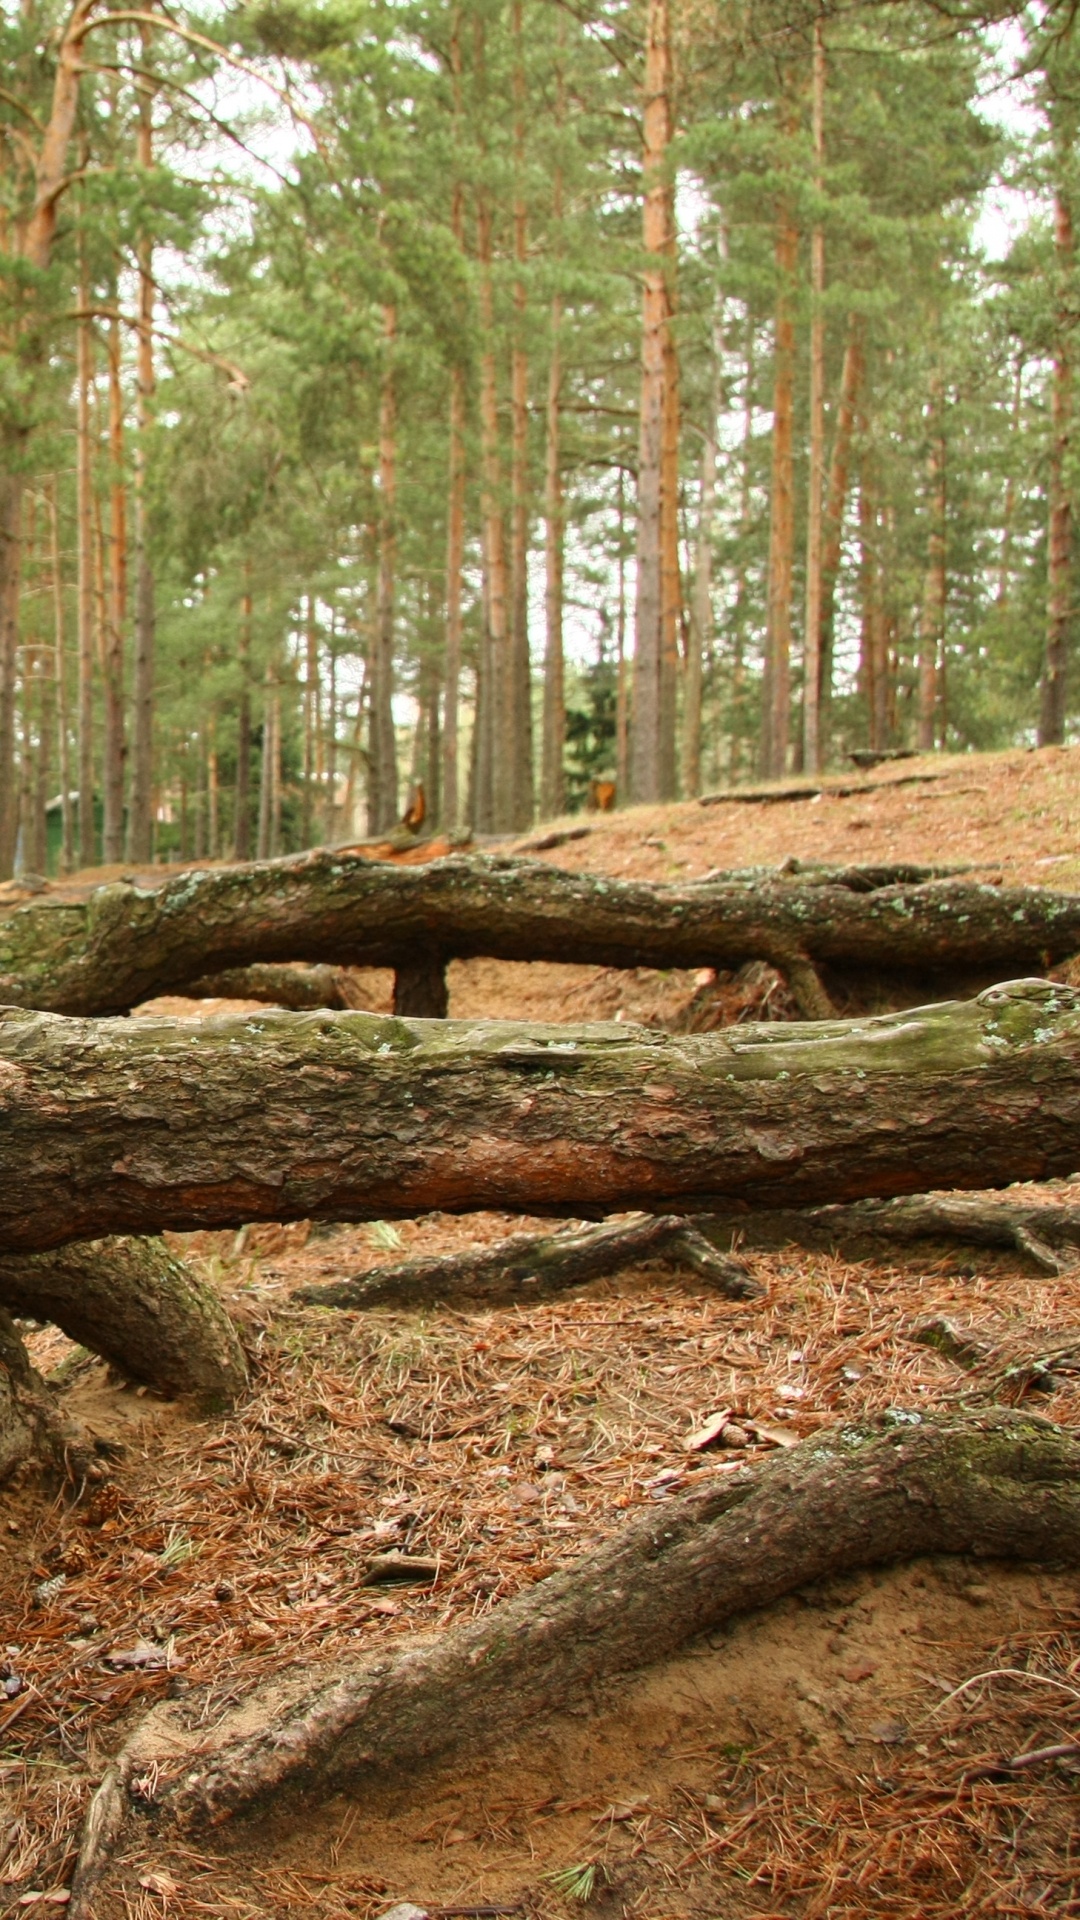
84, 533
141, 813
137, 1126
519, 708
776, 689
113, 747
812, 703
67, 843
700, 638
242, 804
11, 492
532, 1266
455, 557
932, 614
125, 943
135, 1304
382, 760
998, 1485
1059, 609
851, 374
651, 707
493, 810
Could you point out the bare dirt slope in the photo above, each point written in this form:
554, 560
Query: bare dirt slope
842, 1753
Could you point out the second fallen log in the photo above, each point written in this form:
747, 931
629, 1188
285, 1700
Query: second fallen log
134, 1126
127, 943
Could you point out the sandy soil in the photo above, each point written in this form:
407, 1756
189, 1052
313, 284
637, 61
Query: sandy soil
814, 1759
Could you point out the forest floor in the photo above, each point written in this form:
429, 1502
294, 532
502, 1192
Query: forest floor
838, 1754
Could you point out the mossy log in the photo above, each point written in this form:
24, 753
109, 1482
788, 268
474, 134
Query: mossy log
133, 1126
125, 943
135, 1304
534, 1266
997, 1485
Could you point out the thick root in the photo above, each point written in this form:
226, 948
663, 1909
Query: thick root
140, 1308
533, 1266
998, 1485
1043, 1234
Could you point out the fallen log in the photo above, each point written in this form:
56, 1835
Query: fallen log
133, 1126
1038, 1231
124, 943
998, 1485
534, 1266
135, 1304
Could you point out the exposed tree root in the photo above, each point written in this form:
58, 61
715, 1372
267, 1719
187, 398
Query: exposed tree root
1037, 1232
533, 1266
135, 1304
33, 1431
998, 1485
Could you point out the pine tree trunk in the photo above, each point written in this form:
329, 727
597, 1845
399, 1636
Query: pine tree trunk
496, 802
871, 626
310, 719
650, 704
140, 839
670, 579
263, 845
932, 614
242, 800
382, 760
812, 701
11, 490
113, 746
776, 689
1008, 505
39, 844
553, 781
741, 610
67, 841
455, 555
700, 637
213, 796
519, 710
1059, 622
85, 545
622, 688
851, 374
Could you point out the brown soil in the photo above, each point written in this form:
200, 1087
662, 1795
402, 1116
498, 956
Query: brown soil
813, 1760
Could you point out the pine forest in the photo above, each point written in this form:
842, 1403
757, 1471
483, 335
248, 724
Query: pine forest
508, 401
